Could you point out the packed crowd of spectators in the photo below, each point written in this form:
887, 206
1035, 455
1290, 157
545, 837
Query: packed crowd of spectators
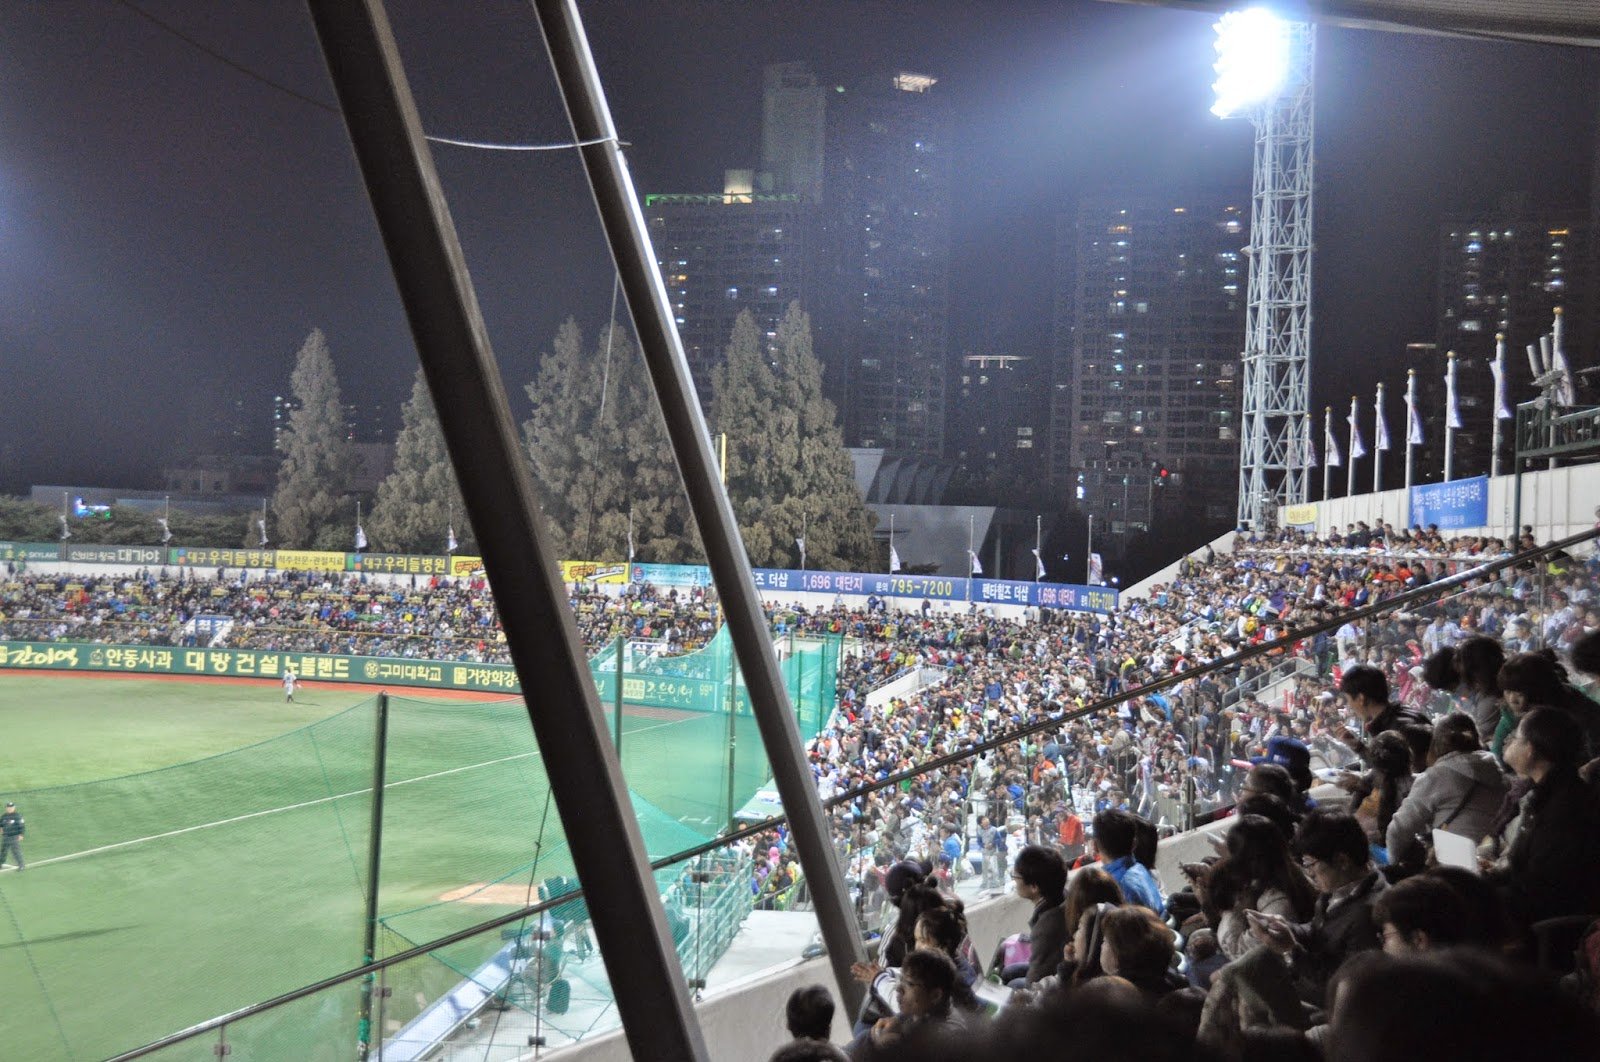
432, 619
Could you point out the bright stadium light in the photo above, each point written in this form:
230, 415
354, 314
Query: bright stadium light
1252, 60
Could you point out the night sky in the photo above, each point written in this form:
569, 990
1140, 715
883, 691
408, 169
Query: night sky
171, 227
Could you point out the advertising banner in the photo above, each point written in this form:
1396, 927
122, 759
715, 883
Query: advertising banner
397, 564
1300, 516
306, 560
14, 552
465, 565
1454, 505
672, 574
592, 572
211, 557
116, 554
942, 588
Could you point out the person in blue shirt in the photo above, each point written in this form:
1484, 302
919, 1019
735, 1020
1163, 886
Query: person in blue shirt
1116, 835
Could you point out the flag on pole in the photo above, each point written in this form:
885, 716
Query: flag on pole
977, 568
1097, 572
1331, 446
361, 539
1383, 431
261, 525
450, 543
1413, 422
894, 558
1310, 454
66, 532
1358, 449
1502, 405
1452, 411
801, 544
1566, 393
166, 530
1038, 565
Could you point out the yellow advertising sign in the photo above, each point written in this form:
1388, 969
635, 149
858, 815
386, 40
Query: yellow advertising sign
594, 572
305, 560
1300, 515
465, 565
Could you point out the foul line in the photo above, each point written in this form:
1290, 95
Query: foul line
313, 803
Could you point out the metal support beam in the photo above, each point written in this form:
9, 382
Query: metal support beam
691, 444
585, 778
369, 938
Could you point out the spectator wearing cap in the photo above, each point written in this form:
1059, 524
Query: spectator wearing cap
1292, 755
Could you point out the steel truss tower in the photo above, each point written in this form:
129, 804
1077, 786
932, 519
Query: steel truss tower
1275, 433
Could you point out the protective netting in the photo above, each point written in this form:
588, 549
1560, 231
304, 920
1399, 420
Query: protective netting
157, 900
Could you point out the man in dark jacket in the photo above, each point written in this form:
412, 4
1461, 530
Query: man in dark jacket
1366, 691
1333, 849
1041, 876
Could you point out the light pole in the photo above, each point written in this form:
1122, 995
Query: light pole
1264, 73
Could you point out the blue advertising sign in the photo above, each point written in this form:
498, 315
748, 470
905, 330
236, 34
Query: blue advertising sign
672, 574
1452, 506
942, 588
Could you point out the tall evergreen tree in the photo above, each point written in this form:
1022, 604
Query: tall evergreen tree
317, 462
420, 500
789, 474
599, 450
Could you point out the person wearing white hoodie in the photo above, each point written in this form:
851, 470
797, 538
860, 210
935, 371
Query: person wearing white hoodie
1461, 791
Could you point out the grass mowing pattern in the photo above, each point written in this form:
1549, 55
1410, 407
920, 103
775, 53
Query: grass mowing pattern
263, 891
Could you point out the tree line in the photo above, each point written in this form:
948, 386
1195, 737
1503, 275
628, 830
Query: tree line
598, 454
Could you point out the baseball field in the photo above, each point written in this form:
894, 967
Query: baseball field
194, 846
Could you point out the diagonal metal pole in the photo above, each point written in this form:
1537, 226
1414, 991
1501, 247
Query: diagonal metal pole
628, 236
585, 777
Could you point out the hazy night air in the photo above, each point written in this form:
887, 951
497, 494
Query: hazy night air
172, 227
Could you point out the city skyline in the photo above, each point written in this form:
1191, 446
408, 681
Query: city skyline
194, 224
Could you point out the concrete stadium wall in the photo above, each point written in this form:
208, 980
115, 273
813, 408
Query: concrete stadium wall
1557, 502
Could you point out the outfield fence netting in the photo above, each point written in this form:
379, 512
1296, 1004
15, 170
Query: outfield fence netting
158, 900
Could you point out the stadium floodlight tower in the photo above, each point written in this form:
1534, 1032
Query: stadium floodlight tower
1264, 73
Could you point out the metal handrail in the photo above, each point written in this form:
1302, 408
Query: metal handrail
1422, 593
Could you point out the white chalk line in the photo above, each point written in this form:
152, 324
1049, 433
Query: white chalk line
312, 803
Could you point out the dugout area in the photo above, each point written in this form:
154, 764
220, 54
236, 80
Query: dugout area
173, 876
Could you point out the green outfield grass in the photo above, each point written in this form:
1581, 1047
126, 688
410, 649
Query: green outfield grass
194, 847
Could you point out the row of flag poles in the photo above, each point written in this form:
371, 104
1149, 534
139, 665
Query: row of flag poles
1547, 360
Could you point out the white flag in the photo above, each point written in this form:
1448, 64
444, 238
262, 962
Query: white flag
1566, 393
450, 543
1452, 412
1383, 431
261, 525
1038, 565
977, 569
1331, 445
361, 539
1097, 572
1502, 404
166, 531
801, 543
1413, 423
894, 558
630, 538
1310, 447
66, 532
1358, 449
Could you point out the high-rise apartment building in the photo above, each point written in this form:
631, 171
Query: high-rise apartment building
1145, 400
723, 254
1000, 433
886, 204
1505, 273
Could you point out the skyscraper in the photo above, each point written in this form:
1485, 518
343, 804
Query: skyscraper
722, 254
1505, 273
1145, 397
887, 245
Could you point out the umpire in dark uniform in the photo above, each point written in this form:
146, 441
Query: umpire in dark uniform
11, 830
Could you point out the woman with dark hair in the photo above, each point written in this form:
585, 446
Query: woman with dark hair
1460, 791
1041, 876
1258, 873
1531, 680
1478, 663
1137, 946
1380, 792
1553, 867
